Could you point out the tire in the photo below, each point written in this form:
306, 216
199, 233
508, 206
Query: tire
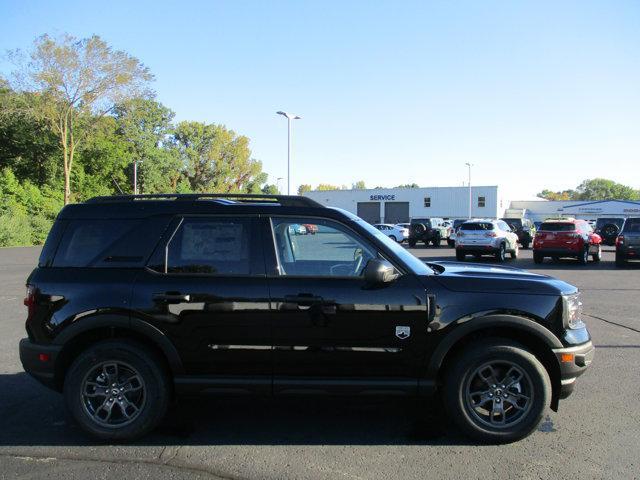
596, 257
501, 254
620, 260
537, 258
514, 252
146, 402
583, 257
451, 243
525, 245
460, 256
393, 237
412, 243
465, 391
609, 233
436, 240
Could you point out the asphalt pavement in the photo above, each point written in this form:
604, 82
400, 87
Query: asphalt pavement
595, 434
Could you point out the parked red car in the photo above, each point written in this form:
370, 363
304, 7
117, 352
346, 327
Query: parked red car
311, 228
567, 238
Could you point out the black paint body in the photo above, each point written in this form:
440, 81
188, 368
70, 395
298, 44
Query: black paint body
273, 334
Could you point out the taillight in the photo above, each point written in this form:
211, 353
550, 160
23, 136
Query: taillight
30, 300
490, 234
620, 240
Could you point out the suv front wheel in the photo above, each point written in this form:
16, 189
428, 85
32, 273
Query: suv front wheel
116, 390
497, 391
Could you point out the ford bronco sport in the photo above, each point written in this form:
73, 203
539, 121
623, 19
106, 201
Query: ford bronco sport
137, 300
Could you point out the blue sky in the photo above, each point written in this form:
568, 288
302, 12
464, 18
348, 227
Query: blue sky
534, 94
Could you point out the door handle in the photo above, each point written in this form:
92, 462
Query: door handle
171, 297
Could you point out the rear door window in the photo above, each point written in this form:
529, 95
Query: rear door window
632, 225
210, 245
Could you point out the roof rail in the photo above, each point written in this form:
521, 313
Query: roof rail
223, 198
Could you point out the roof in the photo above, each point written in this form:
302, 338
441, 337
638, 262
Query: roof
140, 206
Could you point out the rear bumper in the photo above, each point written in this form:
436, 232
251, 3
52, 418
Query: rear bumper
573, 361
39, 361
486, 249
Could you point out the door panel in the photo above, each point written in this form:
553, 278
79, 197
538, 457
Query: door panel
205, 288
328, 322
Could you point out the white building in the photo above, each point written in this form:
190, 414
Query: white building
395, 205
538, 210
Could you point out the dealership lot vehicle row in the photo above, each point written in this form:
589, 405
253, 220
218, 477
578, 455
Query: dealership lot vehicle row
329, 439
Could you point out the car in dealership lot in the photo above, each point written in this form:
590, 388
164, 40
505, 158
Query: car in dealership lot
608, 228
394, 232
297, 229
567, 237
486, 237
310, 228
427, 230
455, 225
628, 242
139, 300
524, 228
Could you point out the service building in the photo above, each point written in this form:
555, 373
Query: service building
397, 205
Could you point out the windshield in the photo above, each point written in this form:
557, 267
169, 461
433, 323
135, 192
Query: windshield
417, 266
477, 226
557, 227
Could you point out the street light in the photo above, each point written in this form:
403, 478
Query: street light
290, 117
469, 165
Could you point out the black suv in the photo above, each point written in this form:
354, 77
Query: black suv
628, 242
524, 228
608, 229
137, 300
427, 230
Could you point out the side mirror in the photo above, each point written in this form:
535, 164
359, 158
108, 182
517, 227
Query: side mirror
379, 271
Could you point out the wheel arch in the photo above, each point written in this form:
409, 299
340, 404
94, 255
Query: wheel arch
77, 337
525, 331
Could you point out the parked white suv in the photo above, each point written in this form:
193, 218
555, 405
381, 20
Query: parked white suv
486, 237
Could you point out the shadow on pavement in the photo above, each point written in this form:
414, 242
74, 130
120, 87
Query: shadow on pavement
32, 415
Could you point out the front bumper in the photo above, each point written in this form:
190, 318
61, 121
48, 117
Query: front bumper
573, 361
39, 361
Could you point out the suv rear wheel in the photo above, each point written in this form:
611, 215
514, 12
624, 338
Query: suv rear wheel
596, 257
497, 391
537, 257
116, 390
514, 252
501, 254
583, 257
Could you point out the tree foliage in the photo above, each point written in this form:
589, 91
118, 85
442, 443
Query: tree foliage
74, 119
594, 189
76, 82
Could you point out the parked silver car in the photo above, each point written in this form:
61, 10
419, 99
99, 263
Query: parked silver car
486, 237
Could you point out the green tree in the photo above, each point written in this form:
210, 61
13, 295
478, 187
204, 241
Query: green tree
145, 124
270, 189
215, 159
408, 185
304, 188
603, 189
359, 185
327, 186
562, 195
78, 81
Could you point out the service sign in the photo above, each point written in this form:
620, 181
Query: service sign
382, 197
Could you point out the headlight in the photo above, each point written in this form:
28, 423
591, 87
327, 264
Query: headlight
572, 313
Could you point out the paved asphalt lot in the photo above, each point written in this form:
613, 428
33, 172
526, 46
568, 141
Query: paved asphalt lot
596, 434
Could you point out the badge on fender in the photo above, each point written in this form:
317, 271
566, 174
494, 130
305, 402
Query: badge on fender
403, 332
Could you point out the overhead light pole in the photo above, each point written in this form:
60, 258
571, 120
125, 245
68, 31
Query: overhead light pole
290, 117
470, 201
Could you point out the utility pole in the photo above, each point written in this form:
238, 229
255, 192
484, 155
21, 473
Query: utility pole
290, 117
470, 200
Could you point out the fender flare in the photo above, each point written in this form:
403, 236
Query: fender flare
126, 322
460, 331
